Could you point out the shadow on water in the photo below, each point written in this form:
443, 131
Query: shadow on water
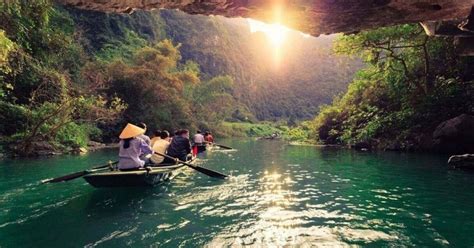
115, 200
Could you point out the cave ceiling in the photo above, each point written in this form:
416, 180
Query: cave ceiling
316, 17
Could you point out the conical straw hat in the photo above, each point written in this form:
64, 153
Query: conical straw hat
131, 131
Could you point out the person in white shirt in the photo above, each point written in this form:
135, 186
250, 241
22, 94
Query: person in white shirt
198, 138
160, 146
199, 141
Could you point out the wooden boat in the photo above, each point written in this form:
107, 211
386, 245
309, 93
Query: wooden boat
213, 146
210, 147
201, 148
142, 177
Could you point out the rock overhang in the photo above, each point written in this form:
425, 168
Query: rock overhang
315, 17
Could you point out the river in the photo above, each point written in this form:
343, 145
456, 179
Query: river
278, 195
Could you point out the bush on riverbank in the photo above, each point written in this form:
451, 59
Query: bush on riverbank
411, 84
300, 133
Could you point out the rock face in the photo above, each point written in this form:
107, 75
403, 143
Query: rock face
93, 145
310, 16
43, 148
455, 135
465, 161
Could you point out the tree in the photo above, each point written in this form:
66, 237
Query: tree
153, 86
402, 94
404, 52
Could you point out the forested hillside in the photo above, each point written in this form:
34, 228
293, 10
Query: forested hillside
309, 74
68, 76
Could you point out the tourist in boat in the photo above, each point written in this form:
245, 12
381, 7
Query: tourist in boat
160, 146
180, 146
199, 141
208, 137
156, 137
132, 147
144, 136
198, 138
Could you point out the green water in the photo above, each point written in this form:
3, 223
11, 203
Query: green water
278, 195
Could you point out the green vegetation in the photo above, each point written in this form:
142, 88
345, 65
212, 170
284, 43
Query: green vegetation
245, 129
411, 84
57, 89
69, 75
43, 97
308, 75
300, 133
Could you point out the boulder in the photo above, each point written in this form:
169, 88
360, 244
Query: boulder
43, 148
93, 145
362, 146
455, 135
78, 150
465, 161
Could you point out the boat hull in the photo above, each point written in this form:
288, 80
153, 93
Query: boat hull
137, 178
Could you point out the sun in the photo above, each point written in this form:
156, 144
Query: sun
275, 33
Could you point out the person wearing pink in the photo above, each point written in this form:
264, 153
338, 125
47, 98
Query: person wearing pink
208, 137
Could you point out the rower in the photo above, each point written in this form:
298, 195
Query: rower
160, 146
199, 141
131, 147
180, 146
208, 137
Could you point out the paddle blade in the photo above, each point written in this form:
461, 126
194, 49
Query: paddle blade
208, 172
66, 177
223, 146
78, 174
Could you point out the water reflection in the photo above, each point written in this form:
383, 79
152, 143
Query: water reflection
281, 216
279, 196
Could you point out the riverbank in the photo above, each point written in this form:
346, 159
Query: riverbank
47, 149
267, 129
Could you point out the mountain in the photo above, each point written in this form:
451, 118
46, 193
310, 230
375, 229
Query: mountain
290, 80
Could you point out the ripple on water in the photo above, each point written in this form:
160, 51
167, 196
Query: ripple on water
266, 235
268, 203
111, 236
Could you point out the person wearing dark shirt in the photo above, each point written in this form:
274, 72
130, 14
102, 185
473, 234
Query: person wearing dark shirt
180, 146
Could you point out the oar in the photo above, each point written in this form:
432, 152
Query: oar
201, 169
223, 146
77, 174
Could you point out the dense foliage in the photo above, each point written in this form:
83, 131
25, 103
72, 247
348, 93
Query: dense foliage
412, 83
309, 74
58, 89
42, 97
